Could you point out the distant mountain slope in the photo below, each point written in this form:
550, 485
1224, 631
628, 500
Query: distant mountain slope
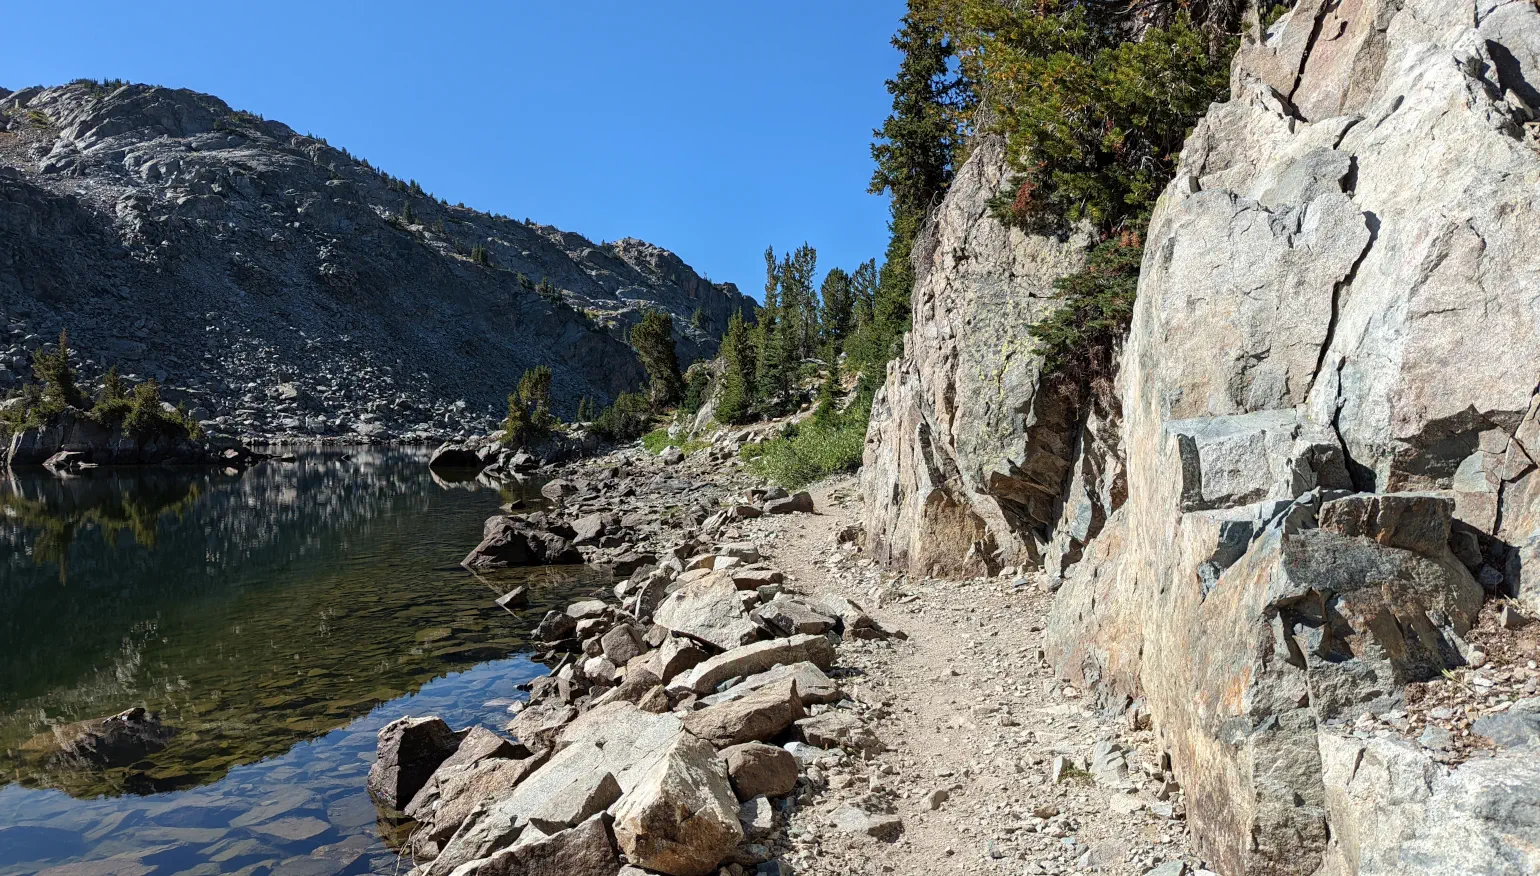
229, 256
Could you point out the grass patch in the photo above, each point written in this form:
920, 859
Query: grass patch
655, 441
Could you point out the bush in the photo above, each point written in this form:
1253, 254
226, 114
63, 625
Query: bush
627, 419
1095, 307
829, 443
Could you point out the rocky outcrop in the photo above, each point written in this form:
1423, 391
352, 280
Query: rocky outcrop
1321, 456
71, 440
278, 285
968, 449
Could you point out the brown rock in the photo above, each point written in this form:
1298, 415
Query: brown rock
756, 769
761, 715
682, 817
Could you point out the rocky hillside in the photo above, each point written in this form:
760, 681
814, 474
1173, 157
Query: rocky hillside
1282, 532
279, 285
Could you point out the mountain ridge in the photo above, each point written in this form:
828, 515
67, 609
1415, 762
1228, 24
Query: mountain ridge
282, 286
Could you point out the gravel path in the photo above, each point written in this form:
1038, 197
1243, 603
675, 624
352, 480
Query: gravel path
976, 727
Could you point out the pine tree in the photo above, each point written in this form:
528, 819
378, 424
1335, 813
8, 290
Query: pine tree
837, 316
770, 361
735, 399
653, 340
915, 151
799, 307
863, 294
585, 410
113, 387
54, 372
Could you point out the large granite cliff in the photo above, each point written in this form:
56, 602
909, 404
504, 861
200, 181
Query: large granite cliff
280, 285
1318, 458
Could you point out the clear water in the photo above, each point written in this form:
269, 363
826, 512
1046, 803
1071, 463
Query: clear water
276, 620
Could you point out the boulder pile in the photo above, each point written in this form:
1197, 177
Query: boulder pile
670, 736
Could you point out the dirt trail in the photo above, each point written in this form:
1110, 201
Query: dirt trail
975, 726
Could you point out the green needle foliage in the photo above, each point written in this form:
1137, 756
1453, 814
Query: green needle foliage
1095, 101
653, 340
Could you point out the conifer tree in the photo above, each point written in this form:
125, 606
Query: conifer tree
915, 151
771, 363
735, 399
837, 315
653, 340
57, 375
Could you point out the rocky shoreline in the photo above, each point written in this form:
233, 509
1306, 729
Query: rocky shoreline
649, 738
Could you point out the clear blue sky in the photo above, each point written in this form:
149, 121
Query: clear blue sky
710, 128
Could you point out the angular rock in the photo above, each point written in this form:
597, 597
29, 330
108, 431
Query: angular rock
410, 750
681, 818
677, 654
513, 541
756, 769
837, 729
789, 617
457, 793
572, 786
801, 503
849, 819
751, 659
756, 717
710, 611
813, 686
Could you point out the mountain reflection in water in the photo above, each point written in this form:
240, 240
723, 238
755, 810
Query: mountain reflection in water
254, 612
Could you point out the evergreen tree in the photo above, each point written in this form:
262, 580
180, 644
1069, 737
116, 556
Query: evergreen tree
915, 151
863, 293
653, 340
771, 363
585, 410
799, 306
56, 374
838, 309
113, 387
735, 398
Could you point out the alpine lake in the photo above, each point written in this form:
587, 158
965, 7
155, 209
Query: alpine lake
276, 619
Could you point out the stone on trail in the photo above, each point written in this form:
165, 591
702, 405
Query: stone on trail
836, 729
631, 738
813, 686
757, 817
800, 503
410, 750
682, 817
710, 611
671, 455
788, 617
759, 716
756, 769
751, 659
849, 819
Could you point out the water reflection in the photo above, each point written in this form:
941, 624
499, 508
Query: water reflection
254, 612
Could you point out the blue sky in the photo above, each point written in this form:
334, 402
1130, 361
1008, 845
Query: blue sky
711, 128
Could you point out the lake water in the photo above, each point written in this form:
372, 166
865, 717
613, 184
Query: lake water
276, 620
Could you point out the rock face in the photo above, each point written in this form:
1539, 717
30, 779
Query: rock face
967, 449
277, 282
1321, 436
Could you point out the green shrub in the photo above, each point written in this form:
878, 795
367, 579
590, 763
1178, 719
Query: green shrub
1095, 307
827, 444
627, 419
